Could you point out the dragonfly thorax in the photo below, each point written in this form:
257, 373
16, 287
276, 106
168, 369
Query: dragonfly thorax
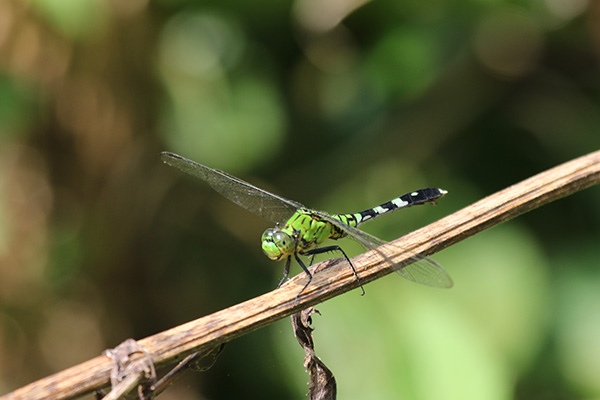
277, 244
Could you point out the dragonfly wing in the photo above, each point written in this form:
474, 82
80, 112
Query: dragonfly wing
421, 269
265, 204
427, 272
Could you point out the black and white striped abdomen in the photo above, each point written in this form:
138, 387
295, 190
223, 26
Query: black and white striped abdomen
421, 196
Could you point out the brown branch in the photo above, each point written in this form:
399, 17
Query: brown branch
333, 278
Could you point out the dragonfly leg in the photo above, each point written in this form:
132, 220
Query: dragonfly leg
320, 250
286, 271
311, 259
307, 273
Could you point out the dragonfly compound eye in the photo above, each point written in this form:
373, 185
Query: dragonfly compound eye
284, 242
274, 244
268, 235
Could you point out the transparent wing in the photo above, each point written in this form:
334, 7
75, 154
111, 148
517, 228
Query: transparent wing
421, 270
267, 205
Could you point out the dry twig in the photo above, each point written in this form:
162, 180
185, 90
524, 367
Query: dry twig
322, 385
332, 279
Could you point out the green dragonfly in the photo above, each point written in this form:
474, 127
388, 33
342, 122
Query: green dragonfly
300, 231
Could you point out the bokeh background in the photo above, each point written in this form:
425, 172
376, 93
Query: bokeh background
338, 104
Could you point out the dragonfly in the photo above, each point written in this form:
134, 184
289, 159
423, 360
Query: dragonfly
300, 231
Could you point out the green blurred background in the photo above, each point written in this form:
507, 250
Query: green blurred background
340, 105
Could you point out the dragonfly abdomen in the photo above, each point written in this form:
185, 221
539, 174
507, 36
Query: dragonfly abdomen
421, 196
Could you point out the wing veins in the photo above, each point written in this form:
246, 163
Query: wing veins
421, 269
256, 200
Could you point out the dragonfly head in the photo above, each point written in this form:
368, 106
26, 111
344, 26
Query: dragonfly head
277, 244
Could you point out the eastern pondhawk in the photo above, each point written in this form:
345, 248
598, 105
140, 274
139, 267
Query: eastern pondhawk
299, 230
